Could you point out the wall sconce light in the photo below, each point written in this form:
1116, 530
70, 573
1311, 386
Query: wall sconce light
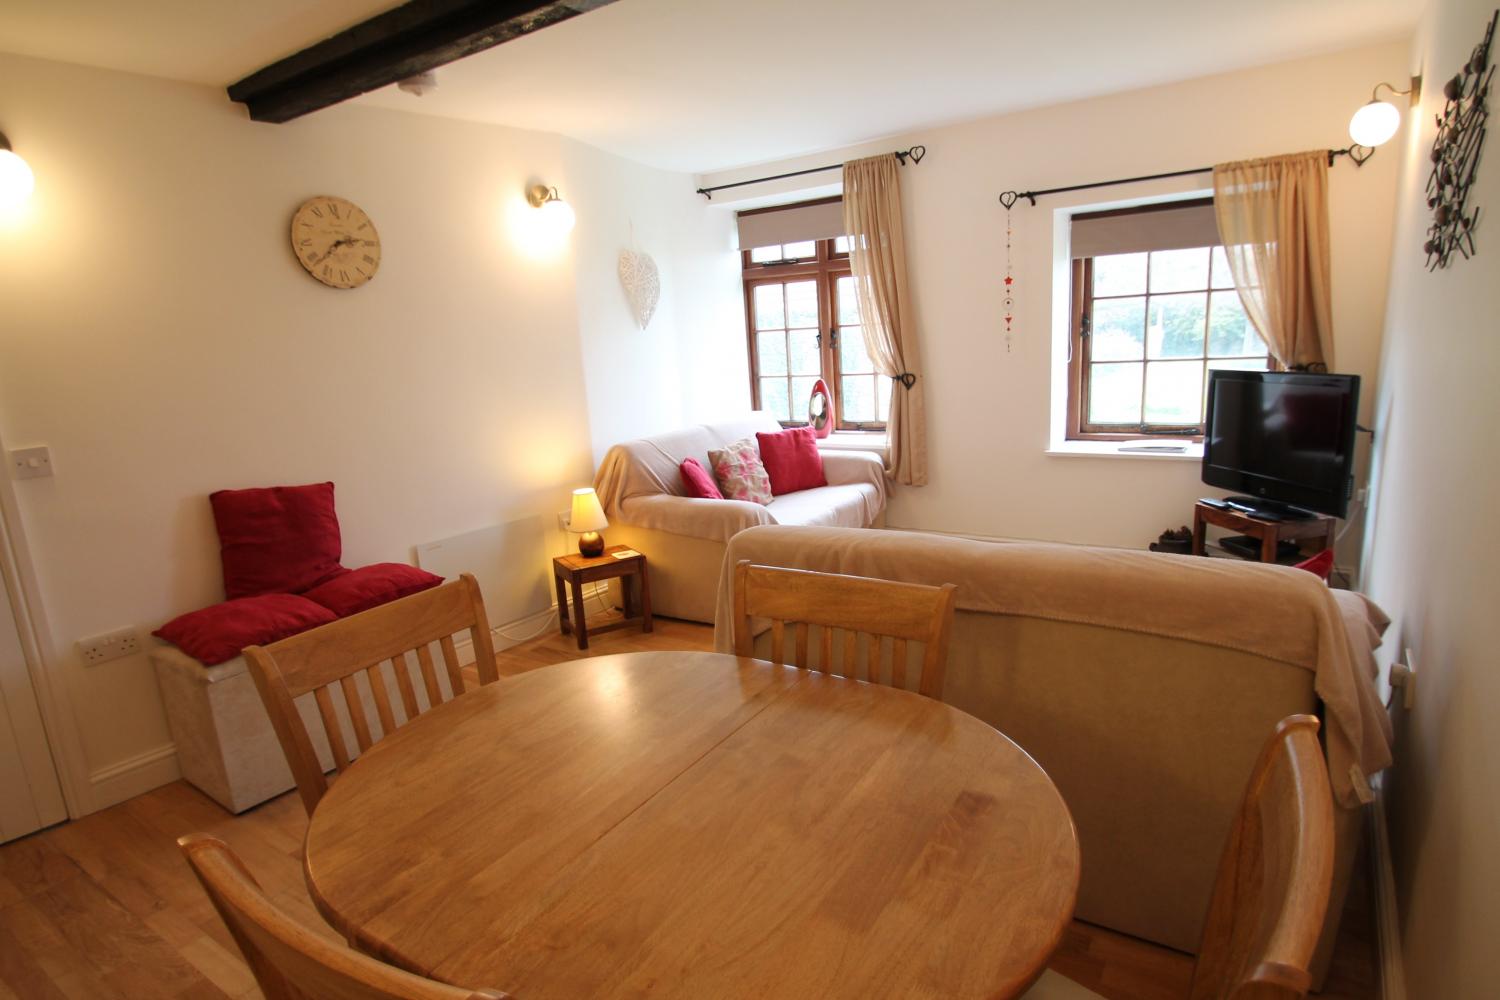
16, 179
558, 214
1377, 121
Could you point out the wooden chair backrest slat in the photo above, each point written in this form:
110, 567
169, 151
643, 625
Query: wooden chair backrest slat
382, 698
1275, 876
335, 655
289, 961
401, 667
429, 675
850, 606
450, 662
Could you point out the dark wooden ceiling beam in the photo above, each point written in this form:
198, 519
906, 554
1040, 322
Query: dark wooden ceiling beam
407, 40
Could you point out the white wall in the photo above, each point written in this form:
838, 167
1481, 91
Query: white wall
988, 410
159, 336
644, 381
1432, 550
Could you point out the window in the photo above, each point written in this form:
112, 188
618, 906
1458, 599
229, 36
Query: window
1148, 327
803, 324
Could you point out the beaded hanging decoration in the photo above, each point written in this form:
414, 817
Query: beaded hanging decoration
1010, 281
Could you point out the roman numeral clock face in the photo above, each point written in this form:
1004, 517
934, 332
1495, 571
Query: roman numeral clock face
336, 241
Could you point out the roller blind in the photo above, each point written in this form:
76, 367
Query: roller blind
1192, 225
818, 220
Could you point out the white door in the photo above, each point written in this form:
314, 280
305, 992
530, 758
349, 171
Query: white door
30, 796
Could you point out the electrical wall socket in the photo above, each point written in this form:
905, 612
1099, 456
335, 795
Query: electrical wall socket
563, 519
109, 646
1403, 677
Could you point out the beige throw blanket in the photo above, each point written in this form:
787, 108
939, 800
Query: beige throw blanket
1270, 611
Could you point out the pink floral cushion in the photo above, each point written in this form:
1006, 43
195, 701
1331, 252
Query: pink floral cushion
740, 473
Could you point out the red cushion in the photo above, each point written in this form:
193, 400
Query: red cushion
1320, 565
277, 540
361, 589
791, 459
218, 633
697, 482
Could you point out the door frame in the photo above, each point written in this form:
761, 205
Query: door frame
64, 743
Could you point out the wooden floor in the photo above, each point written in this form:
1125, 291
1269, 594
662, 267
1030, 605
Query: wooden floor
104, 907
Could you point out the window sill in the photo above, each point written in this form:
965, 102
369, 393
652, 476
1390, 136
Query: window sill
853, 441
1192, 451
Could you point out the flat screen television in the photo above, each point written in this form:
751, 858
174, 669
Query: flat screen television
1284, 439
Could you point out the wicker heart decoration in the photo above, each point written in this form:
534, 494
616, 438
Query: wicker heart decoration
642, 284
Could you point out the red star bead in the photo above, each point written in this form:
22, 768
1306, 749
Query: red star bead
1008, 279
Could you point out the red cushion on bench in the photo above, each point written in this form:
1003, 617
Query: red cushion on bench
370, 586
218, 633
277, 540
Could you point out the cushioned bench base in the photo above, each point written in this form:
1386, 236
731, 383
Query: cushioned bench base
225, 744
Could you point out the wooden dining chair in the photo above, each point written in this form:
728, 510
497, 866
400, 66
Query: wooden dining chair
855, 606
332, 656
289, 961
1266, 911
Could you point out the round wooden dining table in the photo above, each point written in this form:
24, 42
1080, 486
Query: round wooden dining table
698, 825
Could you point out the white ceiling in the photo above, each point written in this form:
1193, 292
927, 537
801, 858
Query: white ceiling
703, 85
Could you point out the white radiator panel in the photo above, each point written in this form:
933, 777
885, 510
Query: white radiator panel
510, 561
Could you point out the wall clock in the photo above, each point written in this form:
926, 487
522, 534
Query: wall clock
336, 241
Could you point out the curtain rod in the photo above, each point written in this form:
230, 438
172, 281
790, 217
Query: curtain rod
1359, 154
916, 153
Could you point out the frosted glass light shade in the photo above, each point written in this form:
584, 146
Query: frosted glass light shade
557, 216
587, 514
16, 179
1374, 123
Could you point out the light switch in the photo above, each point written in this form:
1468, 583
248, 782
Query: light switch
31, 463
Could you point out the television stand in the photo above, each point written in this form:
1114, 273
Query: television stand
1270, 510
1269, 533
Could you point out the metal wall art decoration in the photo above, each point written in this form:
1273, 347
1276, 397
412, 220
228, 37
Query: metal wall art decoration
642, 284
1455, 156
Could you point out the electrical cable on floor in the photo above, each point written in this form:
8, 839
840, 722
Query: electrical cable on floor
546, 624
1359, 509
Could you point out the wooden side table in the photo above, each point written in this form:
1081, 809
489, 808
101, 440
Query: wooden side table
573, 571
1268, 532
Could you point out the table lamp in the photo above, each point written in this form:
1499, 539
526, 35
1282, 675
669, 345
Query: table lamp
588, 519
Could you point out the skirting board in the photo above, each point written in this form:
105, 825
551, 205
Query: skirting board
131, 777
1387, 917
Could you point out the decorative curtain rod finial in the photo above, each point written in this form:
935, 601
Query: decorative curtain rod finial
915, 154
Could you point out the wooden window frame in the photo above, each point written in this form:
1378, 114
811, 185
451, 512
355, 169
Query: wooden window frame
825, 268
1079, 356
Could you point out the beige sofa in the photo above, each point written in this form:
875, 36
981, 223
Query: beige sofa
1143, 684
684, 537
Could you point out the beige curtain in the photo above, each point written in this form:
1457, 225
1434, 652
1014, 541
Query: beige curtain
1273, 220
877, 255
